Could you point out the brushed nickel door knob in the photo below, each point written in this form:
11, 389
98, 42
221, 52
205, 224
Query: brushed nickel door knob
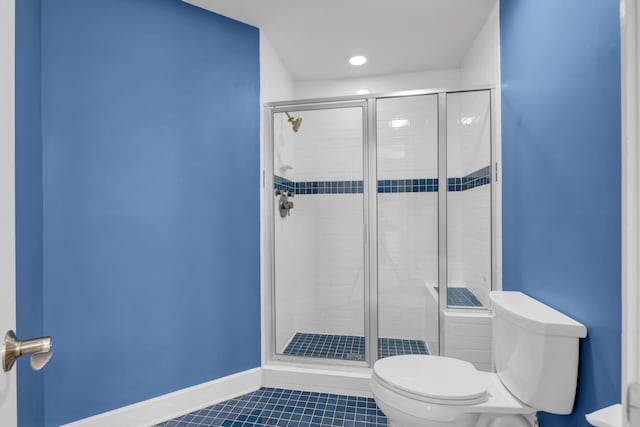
39, 348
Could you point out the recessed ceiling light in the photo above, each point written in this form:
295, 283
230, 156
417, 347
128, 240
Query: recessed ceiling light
363, 92
357, 60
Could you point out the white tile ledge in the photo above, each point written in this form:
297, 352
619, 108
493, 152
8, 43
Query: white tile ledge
611, 416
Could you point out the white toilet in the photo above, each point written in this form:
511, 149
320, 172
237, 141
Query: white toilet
536, 357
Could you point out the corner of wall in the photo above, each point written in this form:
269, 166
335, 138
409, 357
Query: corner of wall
481, 64
276, 84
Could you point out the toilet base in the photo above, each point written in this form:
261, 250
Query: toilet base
493, 420
485, 420
398, 418
424, 423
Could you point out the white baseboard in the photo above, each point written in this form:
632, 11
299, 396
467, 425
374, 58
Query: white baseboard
350, 383
172, 405
168, 406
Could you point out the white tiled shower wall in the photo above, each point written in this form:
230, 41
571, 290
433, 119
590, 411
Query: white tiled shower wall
468, 337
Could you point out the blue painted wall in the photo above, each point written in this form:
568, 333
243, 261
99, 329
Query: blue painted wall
28, 164
561, 175
151, 201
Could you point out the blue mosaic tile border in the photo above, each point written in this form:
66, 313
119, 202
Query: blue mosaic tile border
422, 185
329, 187
279, 407
474, 179
349, 347
283, 184
461, 297
427, 185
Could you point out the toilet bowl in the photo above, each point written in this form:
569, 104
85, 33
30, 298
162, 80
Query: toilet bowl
447, 402
427, 391
536, 355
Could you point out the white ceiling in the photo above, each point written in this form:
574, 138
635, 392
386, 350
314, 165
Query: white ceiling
315, 38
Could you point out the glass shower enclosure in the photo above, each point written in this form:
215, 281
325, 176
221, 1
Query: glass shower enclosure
379, 218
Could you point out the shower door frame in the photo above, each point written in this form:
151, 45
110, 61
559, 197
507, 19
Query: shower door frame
370, 241
270, 271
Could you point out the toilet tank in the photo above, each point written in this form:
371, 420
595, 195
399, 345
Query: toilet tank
536, 351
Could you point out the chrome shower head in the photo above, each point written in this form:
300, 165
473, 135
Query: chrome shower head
295, 122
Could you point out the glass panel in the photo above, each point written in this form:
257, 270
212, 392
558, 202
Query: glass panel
469, 199
407, 225
319, 248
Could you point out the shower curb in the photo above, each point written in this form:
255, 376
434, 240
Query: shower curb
328, 379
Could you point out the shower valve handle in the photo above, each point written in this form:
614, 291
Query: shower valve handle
284, 206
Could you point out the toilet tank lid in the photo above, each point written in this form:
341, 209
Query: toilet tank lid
535, 316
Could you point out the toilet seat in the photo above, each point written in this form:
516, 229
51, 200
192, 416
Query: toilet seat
432, 379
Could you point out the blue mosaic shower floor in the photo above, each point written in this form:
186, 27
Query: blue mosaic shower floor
349, 347
286, 408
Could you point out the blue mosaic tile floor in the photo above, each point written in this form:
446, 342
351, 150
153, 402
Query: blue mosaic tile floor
349, 347
461, 297
286, 408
